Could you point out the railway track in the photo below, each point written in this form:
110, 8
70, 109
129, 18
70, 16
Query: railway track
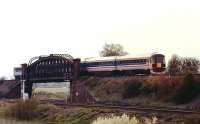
136, 109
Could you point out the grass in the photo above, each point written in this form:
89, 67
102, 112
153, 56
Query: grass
51, 90
153, 88
46, 93
51, 114
188, 91
149, 90
124, 119
23, 110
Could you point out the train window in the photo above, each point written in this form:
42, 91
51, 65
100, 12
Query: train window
143, 60
108, 63
159, 59
131, 61
104, 63
91, 64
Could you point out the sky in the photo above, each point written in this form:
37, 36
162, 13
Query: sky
80, 28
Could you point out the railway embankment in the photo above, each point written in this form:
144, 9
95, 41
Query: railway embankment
156, 91
116, 93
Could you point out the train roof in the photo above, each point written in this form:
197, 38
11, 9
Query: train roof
111, 58
147, 56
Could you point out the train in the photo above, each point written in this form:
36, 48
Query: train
124, 65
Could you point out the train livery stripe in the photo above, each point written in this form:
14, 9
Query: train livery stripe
100, 69
119, 67
133, 67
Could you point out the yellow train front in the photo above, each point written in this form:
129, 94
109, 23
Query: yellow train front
157, 63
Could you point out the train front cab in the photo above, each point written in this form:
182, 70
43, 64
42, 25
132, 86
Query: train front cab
158, 63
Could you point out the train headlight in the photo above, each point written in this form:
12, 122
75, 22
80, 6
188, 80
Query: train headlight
159, 65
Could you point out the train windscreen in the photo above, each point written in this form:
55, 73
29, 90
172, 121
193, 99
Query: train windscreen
159, 59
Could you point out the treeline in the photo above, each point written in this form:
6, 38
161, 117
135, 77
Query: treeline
183, 65
179, 90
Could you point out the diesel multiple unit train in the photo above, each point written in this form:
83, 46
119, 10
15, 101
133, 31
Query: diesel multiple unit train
149, 64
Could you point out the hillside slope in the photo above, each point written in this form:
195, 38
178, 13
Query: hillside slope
135, 90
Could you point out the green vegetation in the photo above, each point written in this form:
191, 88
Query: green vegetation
23, 110
131, 89
188, 90
152, 90
145, 90
183, 65
51, 114
46, 93
112, 50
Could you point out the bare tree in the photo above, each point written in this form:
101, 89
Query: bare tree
183, 65
174, 65
2, 79
112, 50
190, 65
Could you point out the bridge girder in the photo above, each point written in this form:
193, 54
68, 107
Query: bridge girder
50, 68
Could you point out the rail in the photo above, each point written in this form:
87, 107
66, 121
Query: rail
128, 108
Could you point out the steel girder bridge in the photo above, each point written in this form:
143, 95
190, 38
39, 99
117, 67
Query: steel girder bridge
52, 68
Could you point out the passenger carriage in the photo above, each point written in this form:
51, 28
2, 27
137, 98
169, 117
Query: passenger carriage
149, 64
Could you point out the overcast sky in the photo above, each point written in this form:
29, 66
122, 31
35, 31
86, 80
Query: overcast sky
31, 28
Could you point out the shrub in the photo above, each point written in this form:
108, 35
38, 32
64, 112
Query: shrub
124, 119
147, 88
187, 91
131, 89
23, 110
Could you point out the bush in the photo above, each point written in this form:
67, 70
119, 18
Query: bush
131, 89
147, 88
124, 119
23, 110
187, 91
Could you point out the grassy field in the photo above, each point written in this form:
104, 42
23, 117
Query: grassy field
51, 90
51, 114
45, 93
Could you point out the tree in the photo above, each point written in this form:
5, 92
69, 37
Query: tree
188, 90
180, 65
190, 65
112, 50
2, 80
174, 65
